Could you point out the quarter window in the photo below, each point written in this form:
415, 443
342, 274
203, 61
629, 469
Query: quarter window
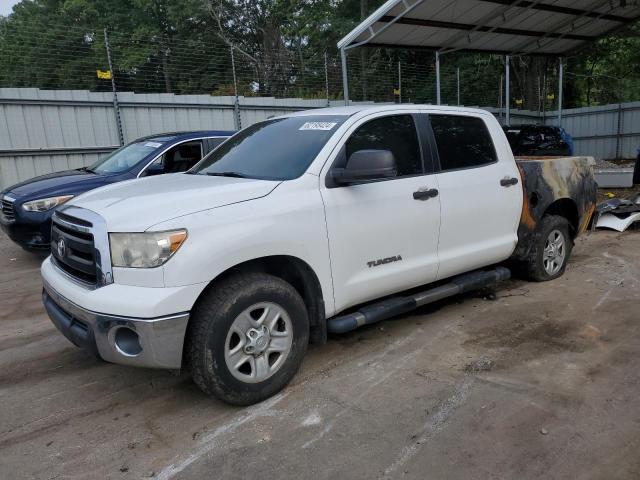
396, 133
463, 142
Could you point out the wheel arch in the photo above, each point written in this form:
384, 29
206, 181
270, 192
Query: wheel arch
292, 270
567, 208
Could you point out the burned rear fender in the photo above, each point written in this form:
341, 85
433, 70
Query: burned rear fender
563, 185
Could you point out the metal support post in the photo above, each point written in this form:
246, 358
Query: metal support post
345, 79
507, 113
560, 74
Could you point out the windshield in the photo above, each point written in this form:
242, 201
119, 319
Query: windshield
126, 157
278, 149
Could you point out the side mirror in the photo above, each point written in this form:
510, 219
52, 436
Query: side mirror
365, 165
154, 169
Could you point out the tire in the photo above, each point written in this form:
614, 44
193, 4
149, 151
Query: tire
538, 267
230, 321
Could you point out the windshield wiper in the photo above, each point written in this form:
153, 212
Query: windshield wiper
226, 174
86, 169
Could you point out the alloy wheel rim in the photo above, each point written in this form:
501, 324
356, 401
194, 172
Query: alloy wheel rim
258, 342
554, 252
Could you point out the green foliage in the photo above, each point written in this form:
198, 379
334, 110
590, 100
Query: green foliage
280, 48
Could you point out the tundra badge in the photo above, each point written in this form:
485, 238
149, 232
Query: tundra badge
382, 261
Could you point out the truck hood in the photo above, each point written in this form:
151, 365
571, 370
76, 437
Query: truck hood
136, 205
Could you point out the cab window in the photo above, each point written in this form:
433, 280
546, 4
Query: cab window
396, 133
462, 141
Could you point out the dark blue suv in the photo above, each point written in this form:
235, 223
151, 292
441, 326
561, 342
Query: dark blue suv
26, 208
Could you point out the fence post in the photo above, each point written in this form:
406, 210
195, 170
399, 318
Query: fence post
399, 82
458, 83
326, 78
619, 130
116, 107
501, 98
236, 102
437, 78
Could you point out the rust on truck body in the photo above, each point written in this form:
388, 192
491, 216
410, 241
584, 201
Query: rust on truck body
546, 180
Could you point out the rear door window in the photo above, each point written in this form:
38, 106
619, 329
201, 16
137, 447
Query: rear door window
396, 133
462, 142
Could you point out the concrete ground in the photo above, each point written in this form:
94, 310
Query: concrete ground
542, 382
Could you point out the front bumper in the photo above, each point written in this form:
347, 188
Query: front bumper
30, 234
143, 342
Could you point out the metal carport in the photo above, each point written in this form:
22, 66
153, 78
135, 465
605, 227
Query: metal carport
509, 27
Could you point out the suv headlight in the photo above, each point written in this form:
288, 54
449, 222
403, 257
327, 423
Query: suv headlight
44, 204
144, 250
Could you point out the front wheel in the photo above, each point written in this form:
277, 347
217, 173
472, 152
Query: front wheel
248, 338
551, 249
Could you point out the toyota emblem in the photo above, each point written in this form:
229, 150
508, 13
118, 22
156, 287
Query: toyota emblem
62, 248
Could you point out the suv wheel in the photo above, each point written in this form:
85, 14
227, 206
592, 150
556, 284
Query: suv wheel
247, 338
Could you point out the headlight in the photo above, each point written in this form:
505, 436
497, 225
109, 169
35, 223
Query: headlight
144, 250
44, 204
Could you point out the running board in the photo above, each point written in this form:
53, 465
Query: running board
391, 307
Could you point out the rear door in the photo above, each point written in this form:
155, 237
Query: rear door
480, 192
381, 239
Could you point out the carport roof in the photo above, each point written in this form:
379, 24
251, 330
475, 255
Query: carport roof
502, 26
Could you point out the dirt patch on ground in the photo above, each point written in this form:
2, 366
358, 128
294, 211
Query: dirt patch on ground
545, 335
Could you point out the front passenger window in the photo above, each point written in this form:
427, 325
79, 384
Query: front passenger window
396, 133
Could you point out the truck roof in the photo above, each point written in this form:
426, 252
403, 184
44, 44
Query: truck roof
353, 109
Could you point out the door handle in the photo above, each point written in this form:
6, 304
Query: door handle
507, 182
425, 194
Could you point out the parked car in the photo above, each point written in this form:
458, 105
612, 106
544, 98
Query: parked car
26, 208
539, 140
230, 270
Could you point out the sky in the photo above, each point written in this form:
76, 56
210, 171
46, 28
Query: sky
6, 5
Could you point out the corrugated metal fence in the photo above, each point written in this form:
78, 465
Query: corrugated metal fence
42, 131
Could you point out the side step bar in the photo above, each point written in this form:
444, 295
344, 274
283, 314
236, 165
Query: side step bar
391, 307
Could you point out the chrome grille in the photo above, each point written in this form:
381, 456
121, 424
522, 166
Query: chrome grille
7, 209
72, 247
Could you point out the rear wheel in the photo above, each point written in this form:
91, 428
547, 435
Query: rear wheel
552, 245
248, 337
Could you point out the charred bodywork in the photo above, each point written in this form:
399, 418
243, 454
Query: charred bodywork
556, 185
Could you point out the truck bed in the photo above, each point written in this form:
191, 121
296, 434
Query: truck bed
563, 183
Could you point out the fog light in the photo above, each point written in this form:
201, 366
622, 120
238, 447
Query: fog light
127, 342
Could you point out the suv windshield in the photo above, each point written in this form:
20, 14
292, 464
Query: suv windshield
278, 149
126, 157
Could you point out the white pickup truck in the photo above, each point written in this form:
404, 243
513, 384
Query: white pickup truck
316, 221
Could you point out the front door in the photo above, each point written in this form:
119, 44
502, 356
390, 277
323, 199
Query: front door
383, 240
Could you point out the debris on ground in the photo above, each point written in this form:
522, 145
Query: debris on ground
618, 213
480, 365
544, 431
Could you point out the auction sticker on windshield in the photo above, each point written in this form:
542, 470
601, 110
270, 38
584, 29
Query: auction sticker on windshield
318, 126
153, 144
